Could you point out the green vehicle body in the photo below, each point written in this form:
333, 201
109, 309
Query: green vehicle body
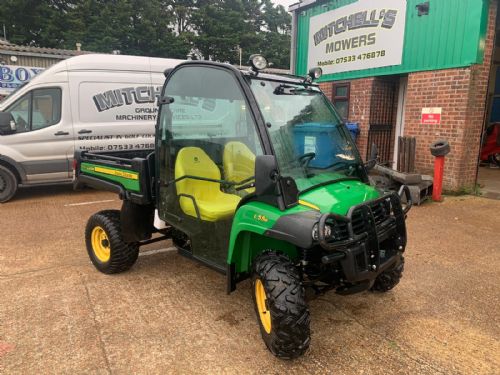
257, 224
256, 176
252, 221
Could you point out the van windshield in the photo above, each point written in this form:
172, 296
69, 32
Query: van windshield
310, 142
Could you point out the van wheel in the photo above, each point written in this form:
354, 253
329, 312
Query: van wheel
105, 246
280, 305
8, 184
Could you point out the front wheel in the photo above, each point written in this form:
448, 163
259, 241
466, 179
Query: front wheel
8, 184
105, 246
280, 305
388, 279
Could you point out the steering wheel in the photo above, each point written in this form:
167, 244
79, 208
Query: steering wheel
305, 159
337, 164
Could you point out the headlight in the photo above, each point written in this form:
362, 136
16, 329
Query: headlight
258, 62
315, 73
315, 232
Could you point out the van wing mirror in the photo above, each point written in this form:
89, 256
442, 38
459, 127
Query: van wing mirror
7, 123
266, 175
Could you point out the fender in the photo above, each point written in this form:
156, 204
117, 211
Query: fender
17, 166
258, 227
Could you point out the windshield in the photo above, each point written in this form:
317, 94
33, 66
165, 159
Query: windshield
311, 143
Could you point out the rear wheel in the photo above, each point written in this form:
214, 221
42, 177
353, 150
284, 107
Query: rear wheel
388, 279
8, 184
105, 246
280, 305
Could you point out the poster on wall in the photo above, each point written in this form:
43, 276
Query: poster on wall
13, 77
365, 34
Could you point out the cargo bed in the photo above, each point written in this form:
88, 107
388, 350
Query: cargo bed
131, 178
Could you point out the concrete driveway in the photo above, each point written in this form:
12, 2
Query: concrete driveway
171, 315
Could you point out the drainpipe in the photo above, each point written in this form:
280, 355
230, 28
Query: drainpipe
293, 46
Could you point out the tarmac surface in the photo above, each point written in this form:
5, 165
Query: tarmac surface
58, 314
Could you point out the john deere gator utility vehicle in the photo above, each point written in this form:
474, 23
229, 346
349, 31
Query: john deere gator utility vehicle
256, 176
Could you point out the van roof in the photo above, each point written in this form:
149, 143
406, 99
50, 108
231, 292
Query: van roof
118, 62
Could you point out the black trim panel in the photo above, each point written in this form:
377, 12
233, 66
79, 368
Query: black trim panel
46, 166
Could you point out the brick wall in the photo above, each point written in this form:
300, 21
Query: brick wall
359, 106
462, 95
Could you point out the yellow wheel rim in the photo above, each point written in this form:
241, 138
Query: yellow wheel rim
264, 313
100, 244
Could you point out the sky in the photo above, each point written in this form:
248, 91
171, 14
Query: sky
285, 3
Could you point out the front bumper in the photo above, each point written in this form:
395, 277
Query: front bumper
367, 241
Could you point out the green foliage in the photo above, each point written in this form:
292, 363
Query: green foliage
210, 29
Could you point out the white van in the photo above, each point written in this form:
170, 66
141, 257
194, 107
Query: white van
89, 102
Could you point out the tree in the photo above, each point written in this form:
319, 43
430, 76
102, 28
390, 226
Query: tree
163, 28
34, 23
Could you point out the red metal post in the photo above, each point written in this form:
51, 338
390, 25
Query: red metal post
438, 178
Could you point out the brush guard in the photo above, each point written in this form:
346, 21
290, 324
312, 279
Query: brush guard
360, 254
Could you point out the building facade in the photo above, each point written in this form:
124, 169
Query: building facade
411, 68
18, 64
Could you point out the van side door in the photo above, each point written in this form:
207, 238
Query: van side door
114, 111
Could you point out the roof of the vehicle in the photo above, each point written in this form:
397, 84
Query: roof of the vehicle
276, 77
270, 74
119, 62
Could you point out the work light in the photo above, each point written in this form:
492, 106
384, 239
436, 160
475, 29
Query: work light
258, 62
315, 73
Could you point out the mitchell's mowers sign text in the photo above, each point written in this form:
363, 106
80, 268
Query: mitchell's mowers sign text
366, 34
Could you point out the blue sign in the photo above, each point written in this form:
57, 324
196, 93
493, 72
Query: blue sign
12, 77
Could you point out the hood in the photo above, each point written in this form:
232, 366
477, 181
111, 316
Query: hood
338, 197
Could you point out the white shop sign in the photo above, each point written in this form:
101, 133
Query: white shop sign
366, 34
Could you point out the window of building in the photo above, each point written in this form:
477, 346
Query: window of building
37, 109
340, 98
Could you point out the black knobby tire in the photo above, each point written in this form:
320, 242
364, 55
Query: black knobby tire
122, 255
388, 279
8, 184
289, 336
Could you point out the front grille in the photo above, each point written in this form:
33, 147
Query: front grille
381, 210
340, 231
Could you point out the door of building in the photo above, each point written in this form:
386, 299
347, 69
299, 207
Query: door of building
400, 116
383, 106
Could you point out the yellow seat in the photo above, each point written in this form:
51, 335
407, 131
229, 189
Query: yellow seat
238, 162
212, 203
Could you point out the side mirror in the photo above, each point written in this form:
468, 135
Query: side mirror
266, 175
7, 123
370, 164
165, 100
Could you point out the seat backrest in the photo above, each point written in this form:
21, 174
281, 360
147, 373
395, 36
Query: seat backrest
238, 162
193, 161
